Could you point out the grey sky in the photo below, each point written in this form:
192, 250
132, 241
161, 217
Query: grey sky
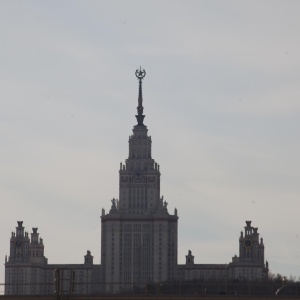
222, 104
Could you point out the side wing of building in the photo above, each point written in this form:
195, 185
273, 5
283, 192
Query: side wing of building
27, 271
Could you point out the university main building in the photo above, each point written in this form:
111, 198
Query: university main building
139, 240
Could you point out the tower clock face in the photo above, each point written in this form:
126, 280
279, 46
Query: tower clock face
248, 243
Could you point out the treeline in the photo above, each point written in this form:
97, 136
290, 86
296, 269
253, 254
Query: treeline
274, 285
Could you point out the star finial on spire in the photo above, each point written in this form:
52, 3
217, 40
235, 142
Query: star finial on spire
140, 74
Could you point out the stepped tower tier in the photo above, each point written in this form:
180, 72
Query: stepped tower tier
19, 245
250, 263
138, 235
251, 247
139, 183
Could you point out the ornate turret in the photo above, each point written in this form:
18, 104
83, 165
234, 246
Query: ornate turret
250, 263
189, 259
88, 258
36, 248
19, 243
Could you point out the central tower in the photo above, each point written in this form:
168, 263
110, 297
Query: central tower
139, 184
139, 236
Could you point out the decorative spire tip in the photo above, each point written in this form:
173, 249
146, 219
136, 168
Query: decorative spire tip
140, 74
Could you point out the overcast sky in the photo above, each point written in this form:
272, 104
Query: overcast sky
222, 104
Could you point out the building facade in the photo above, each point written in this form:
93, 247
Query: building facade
138, 239
139, 236
27, 271
249, 265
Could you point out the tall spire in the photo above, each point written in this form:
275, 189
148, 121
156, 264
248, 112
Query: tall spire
140, 74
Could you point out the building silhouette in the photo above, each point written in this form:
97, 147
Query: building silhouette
139, 240
139, 236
